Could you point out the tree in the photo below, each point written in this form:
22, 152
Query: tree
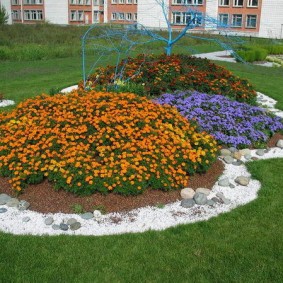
3, 15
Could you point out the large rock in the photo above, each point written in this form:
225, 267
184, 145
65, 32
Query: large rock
245, 151
75, 226
260, 152
200, 198
63, 226
224, 182
71, 221
188, 203
87, 215
23, 205
48, 221
13, 202
187, 193
242, 180
203, 191
3, 210
4, 198
225, 152
237, 155
228, 159
279, 143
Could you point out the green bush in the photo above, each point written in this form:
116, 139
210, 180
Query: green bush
251, 54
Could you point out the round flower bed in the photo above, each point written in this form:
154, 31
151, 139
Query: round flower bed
230, 122
156, 74
103, 142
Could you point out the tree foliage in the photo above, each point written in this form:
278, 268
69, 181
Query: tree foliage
3, 15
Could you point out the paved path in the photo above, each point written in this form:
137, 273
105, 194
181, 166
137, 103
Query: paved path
218, 55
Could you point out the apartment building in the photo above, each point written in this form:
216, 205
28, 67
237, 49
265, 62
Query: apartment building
262, 18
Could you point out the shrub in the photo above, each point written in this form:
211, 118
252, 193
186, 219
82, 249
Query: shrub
161, 73
251, 54
88, 142
230, 122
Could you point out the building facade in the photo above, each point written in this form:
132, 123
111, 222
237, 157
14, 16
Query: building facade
263, 18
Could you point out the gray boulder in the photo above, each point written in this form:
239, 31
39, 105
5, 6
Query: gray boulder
75, 226
87, 215
260, 152
63, 226
228, 159
203, 191
71, 221
4, 198
23, 205
225, 152
242, 180
224, 182
200, 198
48, 221
13, 202
187, 203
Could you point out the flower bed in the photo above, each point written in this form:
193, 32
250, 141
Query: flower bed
103, 142
153, 75
231, 123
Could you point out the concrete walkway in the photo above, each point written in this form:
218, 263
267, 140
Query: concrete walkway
218, 56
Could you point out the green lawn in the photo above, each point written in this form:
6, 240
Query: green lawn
244, 245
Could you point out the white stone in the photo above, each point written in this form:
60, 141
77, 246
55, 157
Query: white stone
280, 144
187, 193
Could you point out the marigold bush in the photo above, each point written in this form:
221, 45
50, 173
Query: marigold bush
155, 74
232, 123
102, 142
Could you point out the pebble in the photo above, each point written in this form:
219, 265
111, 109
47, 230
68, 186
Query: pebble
203, 191
3, 210
23, 205
4, 198
245, 151
55, 227
188, 203
13, 202
200, 198
64, 226
225, 152
71, 221
216, 200
48, 221
211, 202
231, 186
187, 193
26, 219
237, 163
279, 143
97, 215
228, 159
75, 226
87, 215
260, 152
242, 180
233, 149
248, 156
224, 182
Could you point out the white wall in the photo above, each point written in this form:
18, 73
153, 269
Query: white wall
56, 11
150, 13
271, 23
7, 5
211, 13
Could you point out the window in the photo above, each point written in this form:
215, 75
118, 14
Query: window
80, 16
135, 1
237, 20
224, 2
73, 16
73, 2
121, 16
16, 15
252, 3
80, 2
33, 15
114, 16
33, 2
223, 20
238, 3
251, 21
184, 18
96, 17
114, 1
87, 2
129, 16
121, 1
15, 2
187, 2
129, 1
135, 16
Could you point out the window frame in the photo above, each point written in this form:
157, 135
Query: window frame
247, 20
232, 21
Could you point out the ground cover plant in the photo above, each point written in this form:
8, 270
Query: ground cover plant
157, 74
87, 142
231, 123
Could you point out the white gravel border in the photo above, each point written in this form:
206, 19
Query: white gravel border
146, 218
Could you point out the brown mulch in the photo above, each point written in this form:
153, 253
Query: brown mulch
43, 198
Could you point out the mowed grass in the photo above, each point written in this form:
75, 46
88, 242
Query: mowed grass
244, 245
